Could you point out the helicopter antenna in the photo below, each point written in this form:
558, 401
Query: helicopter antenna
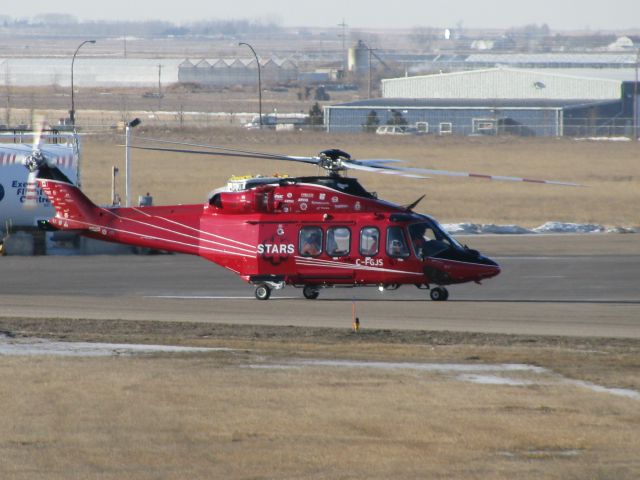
413, 205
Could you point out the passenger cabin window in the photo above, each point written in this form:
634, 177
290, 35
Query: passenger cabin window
338, 241
310, 241
369, 241
396, 242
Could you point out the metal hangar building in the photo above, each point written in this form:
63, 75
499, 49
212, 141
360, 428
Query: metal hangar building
595, 102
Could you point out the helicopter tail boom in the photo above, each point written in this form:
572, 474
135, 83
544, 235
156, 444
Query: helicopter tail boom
172, 228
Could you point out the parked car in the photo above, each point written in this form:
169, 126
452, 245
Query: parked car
420, 128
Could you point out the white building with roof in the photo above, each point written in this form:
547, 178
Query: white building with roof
225, 72
494, 101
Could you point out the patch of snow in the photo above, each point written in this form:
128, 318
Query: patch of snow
462, 228
549, 227
533, 454
492, 380
429, 367
621, 230
603, 139
559, 227
620, 392
503, 229
485, 374
30, 347
484, 228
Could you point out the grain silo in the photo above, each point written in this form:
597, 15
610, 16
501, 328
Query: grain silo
358, 60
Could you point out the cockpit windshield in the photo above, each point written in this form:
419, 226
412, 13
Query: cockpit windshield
428, 239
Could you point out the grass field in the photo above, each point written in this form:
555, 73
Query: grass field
257, 412
610, 172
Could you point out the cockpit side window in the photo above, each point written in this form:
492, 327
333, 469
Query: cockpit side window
396, 242
426, 241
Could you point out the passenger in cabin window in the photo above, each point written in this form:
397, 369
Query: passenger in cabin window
311, 246
395, 248
396, 244
419, 239
338, 239
369, 241
372, 247
425, 241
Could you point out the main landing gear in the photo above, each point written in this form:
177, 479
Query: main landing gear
310, 292
263, 292
439, 294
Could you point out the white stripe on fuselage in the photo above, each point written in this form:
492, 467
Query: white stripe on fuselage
178, 233
194, 229
151, 237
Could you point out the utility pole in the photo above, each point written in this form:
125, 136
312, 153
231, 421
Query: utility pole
635, 100
159, 86
369, 49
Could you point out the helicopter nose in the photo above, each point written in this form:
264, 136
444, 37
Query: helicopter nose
490, 268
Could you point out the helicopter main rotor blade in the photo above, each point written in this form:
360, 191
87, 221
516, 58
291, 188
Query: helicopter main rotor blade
246, 153
380, 165
450, 173
232, 153
385, 170
37, 125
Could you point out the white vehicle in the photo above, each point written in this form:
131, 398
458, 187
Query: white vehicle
22, 204
393, 130
280, 121
420, 128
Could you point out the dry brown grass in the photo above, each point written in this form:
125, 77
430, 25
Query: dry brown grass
208, 417
610, 170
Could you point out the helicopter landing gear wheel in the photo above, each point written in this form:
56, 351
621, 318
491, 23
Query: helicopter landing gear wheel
263, 292
310, 293
439, 294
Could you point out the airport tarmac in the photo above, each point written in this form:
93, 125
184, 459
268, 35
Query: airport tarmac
574, 285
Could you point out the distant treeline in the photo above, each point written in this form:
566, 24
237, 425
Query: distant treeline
69, 25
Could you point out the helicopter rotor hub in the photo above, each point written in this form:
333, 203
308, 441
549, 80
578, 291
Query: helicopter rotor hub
34, 161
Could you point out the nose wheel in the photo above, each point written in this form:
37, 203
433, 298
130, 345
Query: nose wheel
439, 294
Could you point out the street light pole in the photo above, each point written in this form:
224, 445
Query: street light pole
127, 159
72, 112
259, 82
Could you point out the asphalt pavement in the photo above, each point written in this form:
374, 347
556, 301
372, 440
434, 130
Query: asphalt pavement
590, 289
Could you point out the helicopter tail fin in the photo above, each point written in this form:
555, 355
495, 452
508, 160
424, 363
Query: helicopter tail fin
74, 210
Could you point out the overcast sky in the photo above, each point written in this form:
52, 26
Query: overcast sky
558, 14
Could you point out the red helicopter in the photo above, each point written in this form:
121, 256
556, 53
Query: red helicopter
309, 232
